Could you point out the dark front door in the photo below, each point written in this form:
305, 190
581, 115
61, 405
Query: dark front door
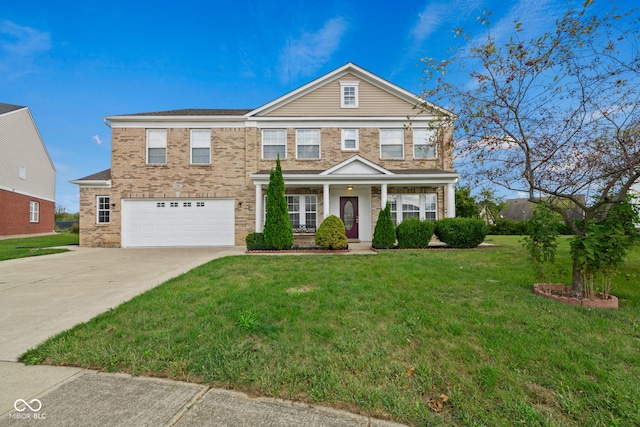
349, 215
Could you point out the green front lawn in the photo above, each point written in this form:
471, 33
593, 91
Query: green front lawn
38, 245
387, 335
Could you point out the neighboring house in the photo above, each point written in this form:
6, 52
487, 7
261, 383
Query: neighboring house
521, 209
27, 175
348, 142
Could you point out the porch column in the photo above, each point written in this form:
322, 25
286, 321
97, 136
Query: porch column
451, 201
258, 208
325, 198
383, 196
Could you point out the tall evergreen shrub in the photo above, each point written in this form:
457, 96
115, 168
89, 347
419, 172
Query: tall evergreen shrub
384, 235
278, 233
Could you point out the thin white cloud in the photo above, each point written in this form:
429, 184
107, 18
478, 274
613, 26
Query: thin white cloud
304, 55
536, 16
97, 139
19, 46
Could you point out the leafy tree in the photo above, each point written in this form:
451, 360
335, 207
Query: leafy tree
601, 251
489, 205
384, 235
278, 233
556, 116
542, 241
466, 206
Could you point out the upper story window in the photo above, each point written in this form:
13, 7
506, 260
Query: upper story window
274, 143
200, 146
22, 172
102, 211
424, 144
308, 143
391, 143
34, 212
350, 139
349, 94
156, 146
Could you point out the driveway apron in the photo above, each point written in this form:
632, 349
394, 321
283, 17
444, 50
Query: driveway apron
42, 296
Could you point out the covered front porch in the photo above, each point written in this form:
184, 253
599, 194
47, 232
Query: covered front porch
355, 190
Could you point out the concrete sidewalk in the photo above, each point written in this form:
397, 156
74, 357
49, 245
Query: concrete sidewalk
76, 397
42, 296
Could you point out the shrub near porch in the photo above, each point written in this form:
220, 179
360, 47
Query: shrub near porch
384, 335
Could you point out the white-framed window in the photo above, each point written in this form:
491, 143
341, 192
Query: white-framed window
200, 204
349, 94
22, 172
200, 146
391, 143
156, 146
103, 209
34, 211
422, 206
431, 206
274, 143
160, 204
424, 144
308, 143
350, 139
303, 211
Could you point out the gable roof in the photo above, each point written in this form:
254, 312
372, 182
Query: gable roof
353, 69
356, 165
98, 176
193, 112
7, 108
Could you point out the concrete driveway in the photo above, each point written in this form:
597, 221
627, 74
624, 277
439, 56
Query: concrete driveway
44, 295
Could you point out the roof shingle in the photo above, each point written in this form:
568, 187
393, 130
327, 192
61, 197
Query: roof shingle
7, 108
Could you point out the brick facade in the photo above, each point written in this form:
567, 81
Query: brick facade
15, 215
236, 155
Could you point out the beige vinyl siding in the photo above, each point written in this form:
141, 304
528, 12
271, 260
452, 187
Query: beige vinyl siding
325, 102
21, 145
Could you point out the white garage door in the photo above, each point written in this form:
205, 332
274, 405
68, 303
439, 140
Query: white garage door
177, 222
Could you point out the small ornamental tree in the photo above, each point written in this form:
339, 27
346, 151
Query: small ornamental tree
552, 112
384, 235
602, 250
278, 233
331, 234
541, 243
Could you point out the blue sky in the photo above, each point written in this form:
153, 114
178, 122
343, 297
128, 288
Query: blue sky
74, 62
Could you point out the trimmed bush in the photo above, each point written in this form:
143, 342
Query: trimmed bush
74, 229
255, 242
384, 235
461, 232
509, 227
413, 233
331, 234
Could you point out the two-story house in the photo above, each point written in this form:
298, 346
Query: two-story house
27, 175
348, 142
